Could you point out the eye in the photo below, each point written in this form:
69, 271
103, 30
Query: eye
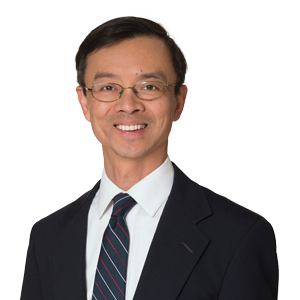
150, 87
107, 88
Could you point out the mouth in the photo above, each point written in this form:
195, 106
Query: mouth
131, 127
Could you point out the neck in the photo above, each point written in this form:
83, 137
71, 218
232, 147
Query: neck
126, 172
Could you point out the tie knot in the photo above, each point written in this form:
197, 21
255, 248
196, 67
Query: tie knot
122, 204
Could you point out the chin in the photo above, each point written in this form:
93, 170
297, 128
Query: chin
133, 150
126, 153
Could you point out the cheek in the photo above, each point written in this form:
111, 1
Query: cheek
164, 116
100, 119
100, 110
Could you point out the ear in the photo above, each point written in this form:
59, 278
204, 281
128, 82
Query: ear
180, 100
83, 102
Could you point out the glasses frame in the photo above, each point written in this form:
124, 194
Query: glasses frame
128, 87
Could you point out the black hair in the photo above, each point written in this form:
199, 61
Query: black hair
119, 29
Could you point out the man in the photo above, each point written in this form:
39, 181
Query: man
146, 231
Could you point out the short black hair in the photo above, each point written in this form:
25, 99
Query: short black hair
119, 29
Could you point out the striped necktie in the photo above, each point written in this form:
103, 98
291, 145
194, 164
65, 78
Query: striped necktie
110, 278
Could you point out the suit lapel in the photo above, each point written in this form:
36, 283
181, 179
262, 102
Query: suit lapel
67, 251
177, 244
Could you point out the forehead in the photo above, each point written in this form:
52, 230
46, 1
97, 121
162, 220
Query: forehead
132, 59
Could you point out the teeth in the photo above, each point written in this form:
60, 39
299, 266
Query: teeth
131, 127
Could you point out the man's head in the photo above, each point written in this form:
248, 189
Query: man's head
120, 29
130, 126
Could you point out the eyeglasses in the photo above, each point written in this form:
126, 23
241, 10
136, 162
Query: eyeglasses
145, 90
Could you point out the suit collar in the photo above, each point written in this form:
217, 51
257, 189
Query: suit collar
75, 206
67, 251
190, 197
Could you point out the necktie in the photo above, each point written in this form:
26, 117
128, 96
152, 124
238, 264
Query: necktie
110, 278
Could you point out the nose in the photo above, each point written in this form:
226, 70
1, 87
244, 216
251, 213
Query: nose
129, 102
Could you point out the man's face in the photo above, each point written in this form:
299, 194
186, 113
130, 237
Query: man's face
127, 63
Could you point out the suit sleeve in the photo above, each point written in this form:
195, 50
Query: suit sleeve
31, 288
253, 271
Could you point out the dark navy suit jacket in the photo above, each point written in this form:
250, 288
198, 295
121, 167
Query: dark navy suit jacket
205, 248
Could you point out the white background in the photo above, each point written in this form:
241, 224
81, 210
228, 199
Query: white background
238, 135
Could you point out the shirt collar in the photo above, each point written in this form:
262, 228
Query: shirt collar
150, 193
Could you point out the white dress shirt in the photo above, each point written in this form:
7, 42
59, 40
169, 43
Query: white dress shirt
150, 194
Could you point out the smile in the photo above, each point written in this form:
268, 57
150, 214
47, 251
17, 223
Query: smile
131, 127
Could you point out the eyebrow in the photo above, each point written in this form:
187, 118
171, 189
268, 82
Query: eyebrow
104, 75
157, 75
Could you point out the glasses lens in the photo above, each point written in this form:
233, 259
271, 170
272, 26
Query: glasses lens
149, 90
107, 91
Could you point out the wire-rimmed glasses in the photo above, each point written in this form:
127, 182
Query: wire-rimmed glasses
145, 90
